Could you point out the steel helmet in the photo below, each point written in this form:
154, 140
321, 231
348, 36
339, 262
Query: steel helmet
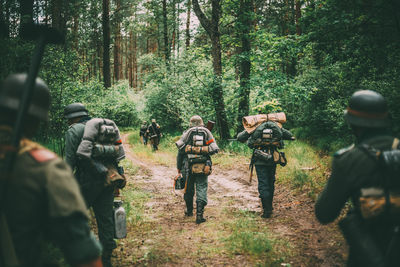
75, 110
196, 121
11, 93
367, 109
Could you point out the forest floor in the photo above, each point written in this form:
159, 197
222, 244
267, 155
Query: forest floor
234, 234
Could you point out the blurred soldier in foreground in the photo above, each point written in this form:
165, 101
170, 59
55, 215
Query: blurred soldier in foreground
99, 147
143, 132
154, 134
265, 136
196, 145
42, 202
368, 173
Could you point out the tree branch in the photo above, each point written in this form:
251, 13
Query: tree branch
205, 22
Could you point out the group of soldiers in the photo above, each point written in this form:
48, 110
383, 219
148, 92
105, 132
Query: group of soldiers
150, 132
44, 194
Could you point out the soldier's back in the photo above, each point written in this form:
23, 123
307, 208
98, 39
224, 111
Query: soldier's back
40, 192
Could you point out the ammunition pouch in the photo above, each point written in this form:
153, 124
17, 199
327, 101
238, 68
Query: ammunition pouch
115, 176
111, 174
271, 156
366, 252
202, 168
197, 150
194, 158
263, 156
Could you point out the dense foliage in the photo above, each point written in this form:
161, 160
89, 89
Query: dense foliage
306, 58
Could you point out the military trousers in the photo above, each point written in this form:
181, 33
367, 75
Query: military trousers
101, 199
200, 181
266, 180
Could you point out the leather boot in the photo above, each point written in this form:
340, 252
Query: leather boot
189, 208
199, 212
267, 207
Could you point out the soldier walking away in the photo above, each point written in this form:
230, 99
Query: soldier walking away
143, 132
196, 146
154, 134
92, 173
266, 140
368, 173
42, 201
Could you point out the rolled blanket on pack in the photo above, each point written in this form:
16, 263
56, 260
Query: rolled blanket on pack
103, 131
250, 123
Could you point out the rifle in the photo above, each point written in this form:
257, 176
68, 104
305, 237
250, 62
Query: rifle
251, 167
43, 35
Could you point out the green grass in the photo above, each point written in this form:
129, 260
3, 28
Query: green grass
134, 198
307, 168
249, 236
164, 156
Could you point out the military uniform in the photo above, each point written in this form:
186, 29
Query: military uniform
187, 157
356, 169
143, 133
154, 134
40, 199
43, 203
266, 169
96, 195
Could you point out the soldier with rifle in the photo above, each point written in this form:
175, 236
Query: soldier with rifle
40, 198
368, 173
196, 146
154, 134
265, 136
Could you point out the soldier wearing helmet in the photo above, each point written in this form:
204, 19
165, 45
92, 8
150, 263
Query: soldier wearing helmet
154, 134
42, 201
363, 174
143, 132
96, 194
196, 146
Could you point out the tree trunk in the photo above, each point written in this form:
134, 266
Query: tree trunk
106, 44
26, 11
298, 16
212, 28
56, 14
244, 26
117, 42
188, 12
165, 32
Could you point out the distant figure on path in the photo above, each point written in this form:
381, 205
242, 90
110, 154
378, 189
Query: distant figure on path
368, 173
143, 132
196, 146
154, 134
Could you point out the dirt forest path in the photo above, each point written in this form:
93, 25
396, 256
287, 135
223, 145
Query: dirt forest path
170, 239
